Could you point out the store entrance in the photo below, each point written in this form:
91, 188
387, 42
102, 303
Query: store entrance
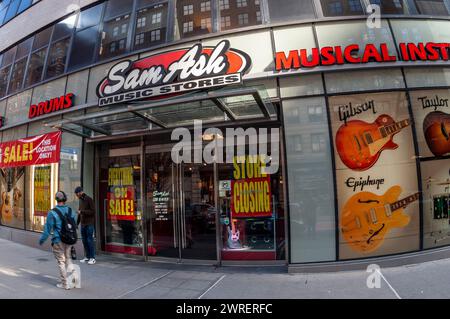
181, 213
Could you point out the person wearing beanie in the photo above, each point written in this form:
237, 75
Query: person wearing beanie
86, 212
53, 225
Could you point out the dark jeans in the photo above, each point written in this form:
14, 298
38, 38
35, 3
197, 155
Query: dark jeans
87, 234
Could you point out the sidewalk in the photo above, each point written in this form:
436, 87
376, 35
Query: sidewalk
30, 273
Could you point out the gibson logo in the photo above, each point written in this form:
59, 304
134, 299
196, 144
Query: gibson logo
348, 111
174, 72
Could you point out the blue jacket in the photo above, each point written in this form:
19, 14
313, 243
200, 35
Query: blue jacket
52, 229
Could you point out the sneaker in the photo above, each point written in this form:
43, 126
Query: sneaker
91, 261
84, 260
61, 286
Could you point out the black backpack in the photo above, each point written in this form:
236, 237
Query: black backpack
68, 232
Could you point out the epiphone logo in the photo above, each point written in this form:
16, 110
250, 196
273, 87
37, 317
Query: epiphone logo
362, 183
348, 111
173, 73
433, 102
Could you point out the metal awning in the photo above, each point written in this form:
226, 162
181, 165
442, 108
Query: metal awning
213, 107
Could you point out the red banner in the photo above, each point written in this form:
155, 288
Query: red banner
37, 150
251, 197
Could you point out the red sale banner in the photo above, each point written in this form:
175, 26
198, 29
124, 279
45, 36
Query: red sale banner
37, 150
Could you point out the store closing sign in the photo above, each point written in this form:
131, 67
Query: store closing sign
38, 150
251, 194
173, 73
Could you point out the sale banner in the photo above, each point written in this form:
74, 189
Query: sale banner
42, 201
121, 194
37, 150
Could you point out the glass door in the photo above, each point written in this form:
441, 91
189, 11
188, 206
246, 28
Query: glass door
181, 214
198, 212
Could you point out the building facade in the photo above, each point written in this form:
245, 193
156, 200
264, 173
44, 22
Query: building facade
351, 109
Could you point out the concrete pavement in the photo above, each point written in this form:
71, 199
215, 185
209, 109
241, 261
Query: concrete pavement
29, 273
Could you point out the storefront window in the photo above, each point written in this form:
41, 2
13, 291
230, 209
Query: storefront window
302, 85
120, 201
285, 10
311, 200
70, 167
12, 183
415, 31
427, 77
355, 32
432, 119
18, 107
364, 80
251, 203
42, 183
376, 175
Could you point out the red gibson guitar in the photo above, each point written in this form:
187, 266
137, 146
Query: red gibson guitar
436, 128
360, 144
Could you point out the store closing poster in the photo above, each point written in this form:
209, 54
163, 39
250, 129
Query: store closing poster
376, 175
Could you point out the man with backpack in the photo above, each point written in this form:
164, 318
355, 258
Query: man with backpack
62, 224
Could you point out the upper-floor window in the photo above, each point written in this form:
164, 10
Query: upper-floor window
241, 3
224, 4
189, 9
141, 22
205, 6
188, 26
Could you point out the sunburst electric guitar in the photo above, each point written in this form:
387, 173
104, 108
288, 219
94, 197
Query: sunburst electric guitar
436, 128
359, 144
367, 218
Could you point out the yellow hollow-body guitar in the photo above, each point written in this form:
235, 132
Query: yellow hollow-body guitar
367, 218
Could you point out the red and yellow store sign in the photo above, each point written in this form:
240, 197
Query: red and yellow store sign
37, 150
251, 194
121, 194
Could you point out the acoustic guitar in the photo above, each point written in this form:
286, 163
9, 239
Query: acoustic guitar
367, 218
359, 144
436, 128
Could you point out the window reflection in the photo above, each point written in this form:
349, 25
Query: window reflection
114, 37
436, 7
239, 13
193, 18
341, 7
57, 59
151, 27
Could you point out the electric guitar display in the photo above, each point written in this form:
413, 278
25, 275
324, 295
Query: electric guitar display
367, 218
359, 144
436, 128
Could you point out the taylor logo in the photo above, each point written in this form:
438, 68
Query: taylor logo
173, 73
